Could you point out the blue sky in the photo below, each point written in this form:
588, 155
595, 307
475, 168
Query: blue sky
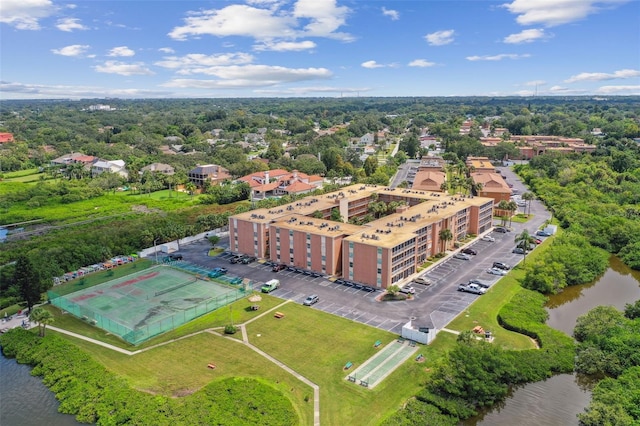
325, 48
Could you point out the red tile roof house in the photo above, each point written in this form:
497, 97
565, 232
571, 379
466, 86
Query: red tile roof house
279, 182
6, 137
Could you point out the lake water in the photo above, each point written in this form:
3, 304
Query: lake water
558, 400
25, 401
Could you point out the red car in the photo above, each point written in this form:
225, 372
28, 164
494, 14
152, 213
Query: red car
279, 267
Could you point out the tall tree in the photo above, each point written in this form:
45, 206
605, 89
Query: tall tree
445, 236
523, 240
528, 197
43, 318
29, 281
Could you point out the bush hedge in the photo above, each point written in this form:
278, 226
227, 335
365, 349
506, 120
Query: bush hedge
94, 395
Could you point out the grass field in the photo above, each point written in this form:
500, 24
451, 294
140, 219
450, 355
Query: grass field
313, 343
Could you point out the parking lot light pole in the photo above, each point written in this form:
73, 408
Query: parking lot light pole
155, 248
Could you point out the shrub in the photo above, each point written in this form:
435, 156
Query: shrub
230, 329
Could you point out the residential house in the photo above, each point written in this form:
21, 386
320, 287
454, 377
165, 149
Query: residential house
6, 138
165, 169
73, 158
114, 166
211, 173
279, 182
493, 186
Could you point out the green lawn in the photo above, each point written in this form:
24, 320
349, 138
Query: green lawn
180, 368
318, 345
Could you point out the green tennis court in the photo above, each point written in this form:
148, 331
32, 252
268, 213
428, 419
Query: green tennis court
139, 306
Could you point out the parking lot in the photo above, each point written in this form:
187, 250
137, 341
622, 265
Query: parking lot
434, 305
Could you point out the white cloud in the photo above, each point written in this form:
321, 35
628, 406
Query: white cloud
197, 63
497, 57
556, 12
25, 14
325, 16
302, 91
121, 51
560, 90
285, 46
525, 36
166, 50
121, 68
251, 76
600, 76
42, 91
70, 24
393, 14
627, 90
422, 63
440, 38
73, 50
267, 21
371, 64
535, 83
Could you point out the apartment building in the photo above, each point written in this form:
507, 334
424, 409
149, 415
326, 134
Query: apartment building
379, 253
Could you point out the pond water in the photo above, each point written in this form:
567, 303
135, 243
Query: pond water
25, 401
558, 400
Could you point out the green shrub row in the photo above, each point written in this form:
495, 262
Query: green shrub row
525, 314
94, 395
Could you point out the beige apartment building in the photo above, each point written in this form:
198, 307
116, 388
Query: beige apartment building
379, 253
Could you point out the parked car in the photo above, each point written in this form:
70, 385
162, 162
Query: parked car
407, 289
279, 267
538, 241
481, 283
472, 288
542, 233
518, 250
422, 281
269, 286
469, 251
461, 256
175, 256
501, 265
221, 270
310, 300
500, 230
496, 271
236, 258
247, 260
488, 238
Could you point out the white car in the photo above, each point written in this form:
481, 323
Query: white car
497, 271
461, 256
408, 290
488, 238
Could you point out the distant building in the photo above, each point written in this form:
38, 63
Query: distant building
279, 182
165, 169
6, 138
113, 166
211, 173
75, 157
534, 145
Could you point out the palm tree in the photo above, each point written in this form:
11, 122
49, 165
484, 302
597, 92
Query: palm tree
43, 318
504, 207
444, 187
523, 240
512, 206
445, 236
528, 197
191, 188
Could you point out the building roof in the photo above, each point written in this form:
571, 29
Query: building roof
428, 180
426, 207
6, 137
491, 182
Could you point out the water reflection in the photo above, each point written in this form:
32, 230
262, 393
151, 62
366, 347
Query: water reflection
557, 401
